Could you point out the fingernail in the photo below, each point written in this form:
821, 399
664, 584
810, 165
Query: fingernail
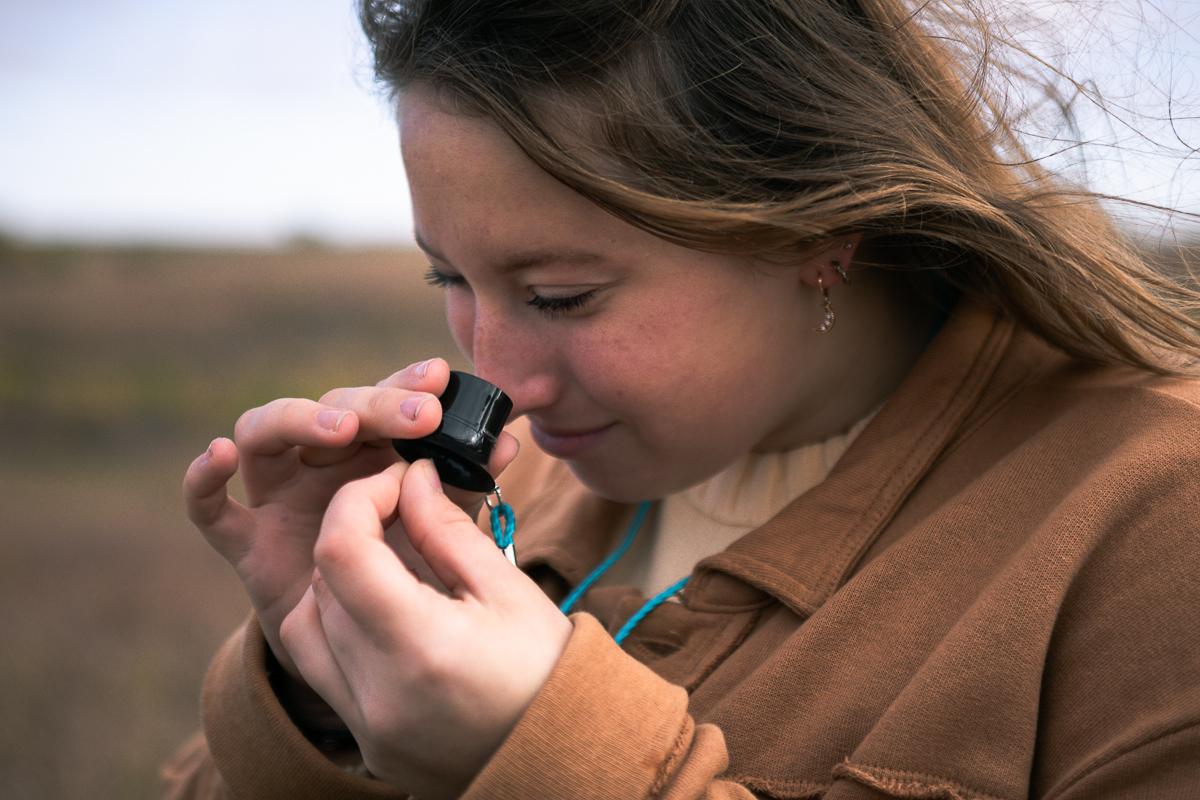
431, 475
411, 407
423, 367
331, 418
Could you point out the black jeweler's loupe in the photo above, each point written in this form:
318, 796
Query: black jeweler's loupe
473, 414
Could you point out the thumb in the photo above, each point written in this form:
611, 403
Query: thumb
462, 556
503, 453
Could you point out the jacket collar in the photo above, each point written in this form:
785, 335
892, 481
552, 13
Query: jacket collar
810, 548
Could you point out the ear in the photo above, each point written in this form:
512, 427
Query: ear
832, 262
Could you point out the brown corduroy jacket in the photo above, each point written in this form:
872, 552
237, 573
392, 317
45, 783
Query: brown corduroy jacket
995, 595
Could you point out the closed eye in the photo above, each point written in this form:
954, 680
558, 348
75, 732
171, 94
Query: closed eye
435, 277
550, 306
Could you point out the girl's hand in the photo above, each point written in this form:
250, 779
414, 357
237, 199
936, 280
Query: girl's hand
294, 455
429, 682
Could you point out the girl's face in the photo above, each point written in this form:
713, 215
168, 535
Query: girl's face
646, 366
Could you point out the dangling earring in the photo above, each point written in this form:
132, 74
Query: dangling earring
827, 322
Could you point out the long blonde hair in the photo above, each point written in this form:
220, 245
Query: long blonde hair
772, 126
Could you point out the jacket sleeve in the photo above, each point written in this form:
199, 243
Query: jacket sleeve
606, 726
250, 748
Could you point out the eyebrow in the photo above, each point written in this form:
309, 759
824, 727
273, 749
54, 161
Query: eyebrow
524, 259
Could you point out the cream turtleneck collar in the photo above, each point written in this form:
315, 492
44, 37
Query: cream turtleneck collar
709, 516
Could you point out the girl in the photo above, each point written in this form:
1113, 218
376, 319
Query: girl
858, 449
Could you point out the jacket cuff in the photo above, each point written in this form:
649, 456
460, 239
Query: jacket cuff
254, 745
603, 726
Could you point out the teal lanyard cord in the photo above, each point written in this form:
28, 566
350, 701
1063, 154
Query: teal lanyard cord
651, 604
613, 558
502, 529
502, 532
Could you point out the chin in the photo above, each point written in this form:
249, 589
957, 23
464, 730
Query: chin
633, 486
621, 488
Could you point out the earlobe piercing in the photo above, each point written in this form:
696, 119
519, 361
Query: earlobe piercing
829, 318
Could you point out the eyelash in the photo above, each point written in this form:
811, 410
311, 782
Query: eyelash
550, 306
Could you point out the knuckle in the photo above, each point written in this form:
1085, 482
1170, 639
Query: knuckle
351, 491
436, 667
332, 397
196, 511
380, 404
196, 518
395, 379
252, 422
192, 477
245, 424
329, 552
325, 552
199, 513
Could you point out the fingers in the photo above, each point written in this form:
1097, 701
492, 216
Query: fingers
285, 423
461, 555
398, 407
503, 454
395, 408
401, 406
388, 413
423, 376
378, 455
303, 636
397, 539
226, 524
360, 568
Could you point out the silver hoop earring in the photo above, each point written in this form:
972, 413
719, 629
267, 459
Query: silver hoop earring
829, 318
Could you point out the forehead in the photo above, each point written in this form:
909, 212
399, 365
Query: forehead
478, 198
472, 185
434, 134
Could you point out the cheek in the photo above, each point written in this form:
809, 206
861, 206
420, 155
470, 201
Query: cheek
460, 318
660, 371
613, 361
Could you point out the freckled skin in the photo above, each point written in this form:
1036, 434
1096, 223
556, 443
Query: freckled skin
697, 358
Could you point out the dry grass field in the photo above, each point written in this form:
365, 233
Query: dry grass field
117, 367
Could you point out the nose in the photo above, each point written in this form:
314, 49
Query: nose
516, 356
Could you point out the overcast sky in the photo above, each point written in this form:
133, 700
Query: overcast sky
251, 121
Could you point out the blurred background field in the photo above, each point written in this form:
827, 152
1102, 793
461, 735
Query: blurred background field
117, 367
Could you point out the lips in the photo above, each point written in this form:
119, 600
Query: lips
563, 433
566, 443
